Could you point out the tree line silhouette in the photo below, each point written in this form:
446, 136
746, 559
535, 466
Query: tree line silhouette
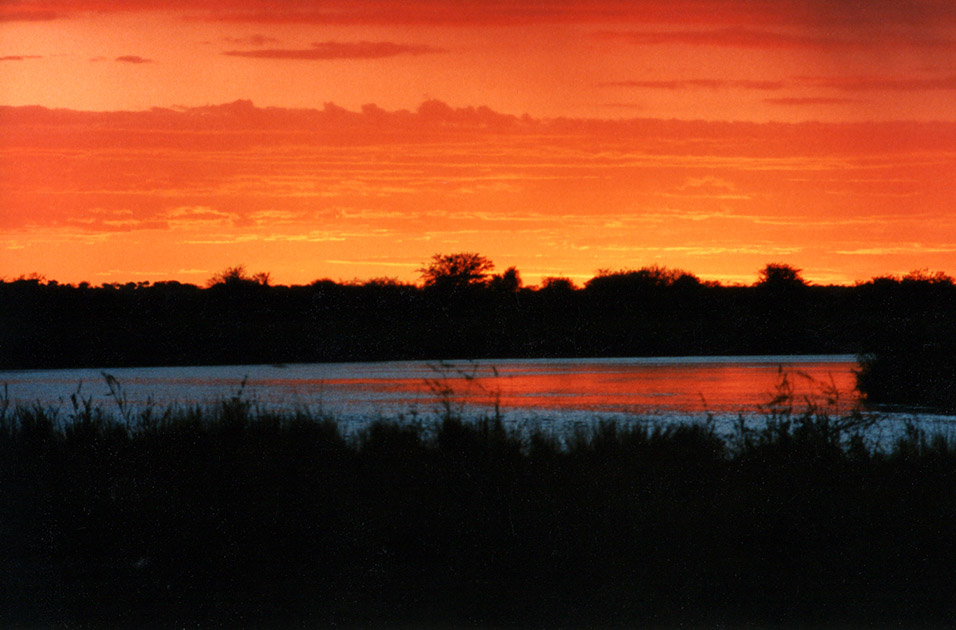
462, 310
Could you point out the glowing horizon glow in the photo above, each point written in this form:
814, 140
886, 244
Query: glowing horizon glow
157, 139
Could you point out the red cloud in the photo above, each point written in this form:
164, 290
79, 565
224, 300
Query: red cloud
714, 12
865, 84
218, 168
20, 57
338, 50
820, 13
133, 59
241, 126
812, 100
26, 14
732, 37
713, 84
252, 40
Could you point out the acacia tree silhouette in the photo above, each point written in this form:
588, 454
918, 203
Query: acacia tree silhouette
780, 276
457, 271
237, 276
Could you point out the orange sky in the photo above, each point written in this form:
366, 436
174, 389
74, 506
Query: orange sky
165, 139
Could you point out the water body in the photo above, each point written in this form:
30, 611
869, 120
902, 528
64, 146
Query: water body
556, 394
681, 388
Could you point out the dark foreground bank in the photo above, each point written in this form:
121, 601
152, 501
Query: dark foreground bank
237, 517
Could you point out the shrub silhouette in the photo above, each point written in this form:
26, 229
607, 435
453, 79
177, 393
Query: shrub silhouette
237, 276
911, 356
780, 276
456, 271
235, 515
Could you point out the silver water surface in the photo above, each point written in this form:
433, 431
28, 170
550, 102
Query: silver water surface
555, 392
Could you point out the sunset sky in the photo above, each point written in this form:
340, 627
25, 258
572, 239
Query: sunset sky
166, 139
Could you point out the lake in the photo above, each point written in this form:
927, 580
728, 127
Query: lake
628, 385
555, 391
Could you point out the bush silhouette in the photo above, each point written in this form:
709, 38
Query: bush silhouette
235, 515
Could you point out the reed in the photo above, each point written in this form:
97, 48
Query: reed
236, 515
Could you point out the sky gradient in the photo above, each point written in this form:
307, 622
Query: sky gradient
159, 139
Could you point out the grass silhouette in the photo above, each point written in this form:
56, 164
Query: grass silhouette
234, 515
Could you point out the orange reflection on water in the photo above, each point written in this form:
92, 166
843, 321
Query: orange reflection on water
674, 387
629, 386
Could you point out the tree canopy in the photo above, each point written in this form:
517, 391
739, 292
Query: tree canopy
459, 270
237, 276
780, 275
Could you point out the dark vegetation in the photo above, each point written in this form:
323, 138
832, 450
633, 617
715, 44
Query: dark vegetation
237, 517
912, 360
234, 516
904, 327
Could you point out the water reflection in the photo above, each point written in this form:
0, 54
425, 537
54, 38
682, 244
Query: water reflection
659, 387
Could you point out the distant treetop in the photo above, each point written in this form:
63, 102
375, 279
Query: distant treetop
780, 275
464, 269
650, 277
237, 276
